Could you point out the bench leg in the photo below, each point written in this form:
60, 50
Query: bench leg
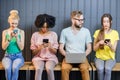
90, 75
93, 76
27, 77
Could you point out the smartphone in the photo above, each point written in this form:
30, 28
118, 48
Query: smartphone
45, 40
15, 31
106, 40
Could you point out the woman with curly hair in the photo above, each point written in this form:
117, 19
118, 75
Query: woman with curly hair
44, 45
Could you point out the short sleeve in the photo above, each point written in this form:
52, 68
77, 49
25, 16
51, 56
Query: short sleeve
96, 33
88, 40
32, 46
62, 37
55, 38
116, 35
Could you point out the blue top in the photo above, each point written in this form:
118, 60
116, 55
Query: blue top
75, 43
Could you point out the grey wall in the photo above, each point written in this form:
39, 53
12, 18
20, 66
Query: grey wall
29, 9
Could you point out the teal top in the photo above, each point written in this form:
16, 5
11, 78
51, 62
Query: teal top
12, 47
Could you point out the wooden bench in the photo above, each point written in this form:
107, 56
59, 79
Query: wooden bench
24, 67
58, 68
28, 66
115, 68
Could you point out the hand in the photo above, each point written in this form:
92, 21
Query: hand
108, 44
49, 45
101, 42
39, 47
14, 34
45, 45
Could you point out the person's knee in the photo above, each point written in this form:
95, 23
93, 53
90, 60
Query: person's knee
84, 68
15, 68
65, 68
7, 69
108, 70
100, 70
49, 69
39, 71
6, 62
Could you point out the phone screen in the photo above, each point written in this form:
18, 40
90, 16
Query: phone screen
15, 31
45, 40
107, 40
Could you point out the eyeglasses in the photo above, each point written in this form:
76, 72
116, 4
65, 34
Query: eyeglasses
79, 19
14, 23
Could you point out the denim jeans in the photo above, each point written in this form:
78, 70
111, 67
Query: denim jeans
104, 68
12, 64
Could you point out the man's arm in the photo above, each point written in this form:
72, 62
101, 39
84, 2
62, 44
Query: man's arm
61, 49
89, 49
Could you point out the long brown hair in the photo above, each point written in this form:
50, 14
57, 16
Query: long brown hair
101, 34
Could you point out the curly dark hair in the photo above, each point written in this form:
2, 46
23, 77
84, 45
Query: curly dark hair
42, 18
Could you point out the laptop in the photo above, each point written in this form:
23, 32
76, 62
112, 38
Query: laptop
75, 57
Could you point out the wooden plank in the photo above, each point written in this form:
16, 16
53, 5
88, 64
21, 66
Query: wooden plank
115, 68
58, 68
24, 67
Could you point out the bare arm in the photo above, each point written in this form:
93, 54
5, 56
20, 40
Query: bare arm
112, 47
61, 49
89, 49
38, 49
20, 41
43, 46
95, 45
51, 49
5, 42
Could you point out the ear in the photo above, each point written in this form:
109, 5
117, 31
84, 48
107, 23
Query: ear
72, 21
8, 20
111, 21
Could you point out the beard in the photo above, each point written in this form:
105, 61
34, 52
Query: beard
78, 26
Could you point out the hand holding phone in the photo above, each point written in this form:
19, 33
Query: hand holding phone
15, 31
